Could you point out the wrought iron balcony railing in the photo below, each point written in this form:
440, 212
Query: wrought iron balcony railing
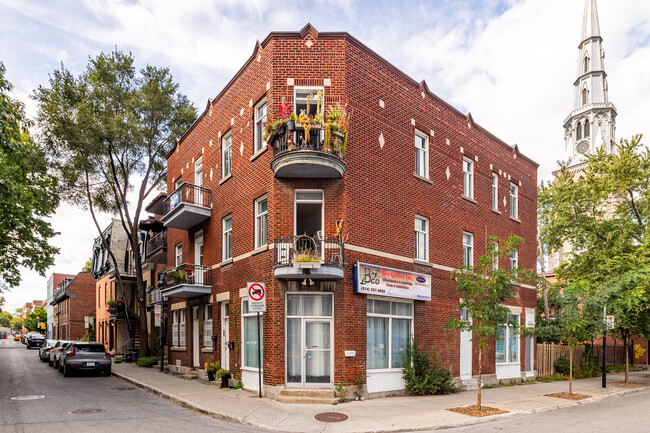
190, 194
157, 243
302, 249
194, 275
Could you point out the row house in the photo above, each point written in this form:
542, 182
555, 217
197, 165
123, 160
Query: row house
73, 307
52, 284
352, 217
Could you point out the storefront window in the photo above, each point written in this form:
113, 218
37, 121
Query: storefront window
507, 344
389, 331
249, 337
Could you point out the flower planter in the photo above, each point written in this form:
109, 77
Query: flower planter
282, 129
224, 380
211, 377
338, 134
291, 125
313, 126
306, 265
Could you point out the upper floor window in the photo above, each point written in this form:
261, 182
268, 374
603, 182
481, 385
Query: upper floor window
421, 154
261, 211
177, 183
260, 124
587, 129
421, 239
585, 96
514, 201
585, 66
306, 100
226, 155
495, 256
579, 131
495, 191
468, 249
514, 260
227, 238
178, 254
468, 178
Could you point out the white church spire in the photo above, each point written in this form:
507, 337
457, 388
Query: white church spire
591, 123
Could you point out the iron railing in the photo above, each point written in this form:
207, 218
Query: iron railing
196, 275
187, 193
289, 249
156, 243
280, 141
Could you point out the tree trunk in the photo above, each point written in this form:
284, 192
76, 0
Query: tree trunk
571, 370
544, 291
478, 400
626, 350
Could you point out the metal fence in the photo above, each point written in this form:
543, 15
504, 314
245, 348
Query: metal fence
187, 193
327, 250
189, 274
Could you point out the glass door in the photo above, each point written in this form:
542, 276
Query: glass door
317, 352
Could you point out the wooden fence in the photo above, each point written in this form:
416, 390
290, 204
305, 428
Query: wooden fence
547, 353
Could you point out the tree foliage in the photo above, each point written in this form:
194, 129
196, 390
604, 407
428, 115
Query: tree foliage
39, 315
485, 290
28, 194
17, 323
5, 319
108, 131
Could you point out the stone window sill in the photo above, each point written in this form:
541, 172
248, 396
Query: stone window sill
471, 200
422, 263
422, 178
496, 211
225, 179
207, 350
260, 250
178, 349
517, 220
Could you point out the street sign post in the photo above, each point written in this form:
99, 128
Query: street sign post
257, 303
610, 322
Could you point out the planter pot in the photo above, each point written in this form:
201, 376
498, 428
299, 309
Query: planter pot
232, 383
282, 129
224, 380
306, 265
210, 376
291, 125
338, 134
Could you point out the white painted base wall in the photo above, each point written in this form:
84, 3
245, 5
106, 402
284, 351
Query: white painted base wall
381, 381
250, 380
508, 371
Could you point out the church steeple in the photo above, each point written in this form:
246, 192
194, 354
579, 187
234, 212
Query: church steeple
591, 123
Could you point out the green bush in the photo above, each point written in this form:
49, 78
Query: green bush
148, 361
562, 365
424, 375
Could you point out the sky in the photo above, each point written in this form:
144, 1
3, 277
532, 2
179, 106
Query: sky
511, 63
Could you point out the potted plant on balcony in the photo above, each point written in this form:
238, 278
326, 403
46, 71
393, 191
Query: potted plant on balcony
306, 259
211, 368
178, 276
279, 125
337, 120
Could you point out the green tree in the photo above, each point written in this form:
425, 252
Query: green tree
37, 316
603, 212
485, 290
17, 323
88, 265
28, 194
5, 319
109, 130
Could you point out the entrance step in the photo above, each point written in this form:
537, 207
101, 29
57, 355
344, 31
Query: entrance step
307, 396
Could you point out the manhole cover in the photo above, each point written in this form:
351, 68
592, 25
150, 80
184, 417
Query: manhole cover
85, 411
331, 417
28, 397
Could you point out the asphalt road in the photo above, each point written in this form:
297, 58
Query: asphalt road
621, 414
104, 404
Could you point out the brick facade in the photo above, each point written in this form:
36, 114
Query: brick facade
79, 303
377, 197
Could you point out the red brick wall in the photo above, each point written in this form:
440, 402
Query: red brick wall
377, 197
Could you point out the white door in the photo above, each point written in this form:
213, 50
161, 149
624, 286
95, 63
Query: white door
225, 336
530, 343
198, 257
465, 349
195, 336
198, 181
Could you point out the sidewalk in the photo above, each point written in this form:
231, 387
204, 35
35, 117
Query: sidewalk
375, 415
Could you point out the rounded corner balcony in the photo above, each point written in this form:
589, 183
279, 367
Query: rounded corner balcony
187, 206
187, 281
295, 157
298, 257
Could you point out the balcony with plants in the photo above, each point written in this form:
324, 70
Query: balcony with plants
309, 145
306, 257
156, 248
187, 281
187, 206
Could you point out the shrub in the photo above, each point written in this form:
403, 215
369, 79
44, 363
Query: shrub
147, 361
562, 366
424, 375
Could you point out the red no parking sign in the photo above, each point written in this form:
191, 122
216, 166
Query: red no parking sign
256, 297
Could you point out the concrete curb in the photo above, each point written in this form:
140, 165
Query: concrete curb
473, 421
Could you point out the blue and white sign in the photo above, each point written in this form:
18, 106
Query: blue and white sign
377, 280
174, 199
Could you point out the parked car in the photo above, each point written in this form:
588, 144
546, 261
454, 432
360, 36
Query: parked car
84, 356
34, 340
17, 337
55, 353
44, 350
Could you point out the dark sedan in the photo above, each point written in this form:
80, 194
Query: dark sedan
34, 340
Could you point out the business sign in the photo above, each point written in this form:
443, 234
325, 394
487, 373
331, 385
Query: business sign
256, 297
377, 280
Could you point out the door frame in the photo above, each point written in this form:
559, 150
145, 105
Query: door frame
303, 320
224, 307
195, 337
463, 351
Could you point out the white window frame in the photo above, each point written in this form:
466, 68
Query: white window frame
243, 335
178, 254
468, 178
261, 223
390, 318
495, 191
514, 259
495, 256
506, 337
207, 326
261, 111
226, 155
177, 183
422, 154
312, 90
468, 249
514, 201
175, 328
424, 235
226, 236
182, 328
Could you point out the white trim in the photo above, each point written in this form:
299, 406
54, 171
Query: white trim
259, 129
468, 175
470, 258
425, 150
256, 222
419, 218
223, 238
224, 139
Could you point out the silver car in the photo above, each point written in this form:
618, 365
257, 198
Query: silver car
44, 350
84, 356
55, 353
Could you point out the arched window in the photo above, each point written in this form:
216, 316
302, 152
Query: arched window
585, 65
579, 131
585, 96
587, 129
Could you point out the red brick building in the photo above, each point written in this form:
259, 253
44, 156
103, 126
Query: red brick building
73, 302
354, 242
